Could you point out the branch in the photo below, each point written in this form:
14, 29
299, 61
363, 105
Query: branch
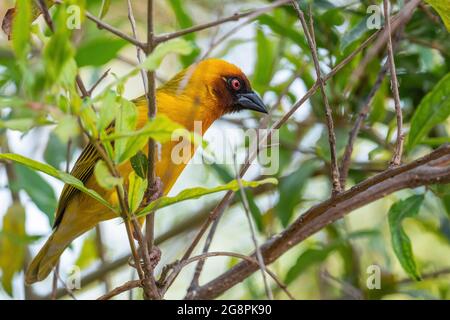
397, 21
103, 25
228, 198
433, 168
353, 134
123, 288
328, 113
235, 17
397, 157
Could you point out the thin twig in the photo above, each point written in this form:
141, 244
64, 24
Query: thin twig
121, 289
234, 17
346, 159
364, 111
151, 98
252, 16
99, 80
179, 265
103, 25
397, 157
200, 264
101, 254
259, 256
138, 49
397, 21
328, 112
430, 169
227, 199
44, 9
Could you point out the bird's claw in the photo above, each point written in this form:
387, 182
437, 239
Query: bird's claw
154, 192
155, 257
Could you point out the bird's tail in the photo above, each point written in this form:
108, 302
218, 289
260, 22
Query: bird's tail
48, 256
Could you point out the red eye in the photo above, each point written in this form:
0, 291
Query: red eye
235, 84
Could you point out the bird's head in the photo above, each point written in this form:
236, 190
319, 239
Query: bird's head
218, 84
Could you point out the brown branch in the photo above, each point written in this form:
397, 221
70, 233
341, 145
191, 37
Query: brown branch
364, 111
179, 265
397, 157
258, 254
433, 168
227, 199
99, 80
397, 21
100, 246
239, 26
121, 289
44, 9
328, 113
103, 25
427, 276
234, 17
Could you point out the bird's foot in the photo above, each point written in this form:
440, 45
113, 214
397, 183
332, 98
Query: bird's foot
155, 257
154, 192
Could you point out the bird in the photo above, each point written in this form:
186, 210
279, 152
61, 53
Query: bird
203, 92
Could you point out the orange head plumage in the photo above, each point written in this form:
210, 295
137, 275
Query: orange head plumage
212, 88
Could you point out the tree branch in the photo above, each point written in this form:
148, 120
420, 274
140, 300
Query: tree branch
397, 157
103, 25
234, 17
433, 168
328, 113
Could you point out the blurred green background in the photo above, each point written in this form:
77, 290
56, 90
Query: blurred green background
334, 263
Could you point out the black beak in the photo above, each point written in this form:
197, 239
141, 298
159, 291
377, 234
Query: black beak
251, 101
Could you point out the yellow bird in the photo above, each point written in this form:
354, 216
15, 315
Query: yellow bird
203, 92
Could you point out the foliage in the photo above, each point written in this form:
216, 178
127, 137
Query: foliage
41, 107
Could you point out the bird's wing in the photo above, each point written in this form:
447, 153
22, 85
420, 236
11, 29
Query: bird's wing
82, 170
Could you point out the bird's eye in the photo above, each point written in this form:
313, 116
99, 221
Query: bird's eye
235, 84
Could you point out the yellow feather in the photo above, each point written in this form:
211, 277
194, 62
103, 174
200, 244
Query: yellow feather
188, 97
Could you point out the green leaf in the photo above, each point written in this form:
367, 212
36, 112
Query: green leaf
264, 64
136, 190
308, 258
21, 29
160, 129
323, 144
39, 190
226, 177
313, 256
179, 46
185, 21
67, 128
284, 30
354, 34
125, 124
104, 178
432, 110
139, 163
12, 253
51, 171
400, 241
195, 193
88, 252
108, 110
58, 51
254, 210
22, 125
105, 8
89, 118
291, 190
56, 152
443, 8
98, 51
